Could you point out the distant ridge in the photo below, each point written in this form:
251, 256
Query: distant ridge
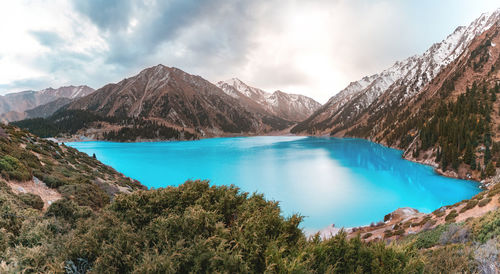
16, 106
164, 102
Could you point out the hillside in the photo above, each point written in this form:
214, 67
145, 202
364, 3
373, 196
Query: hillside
424, 109
399, 83
16, 106
165, 103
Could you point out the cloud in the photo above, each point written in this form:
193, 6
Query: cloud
311, 47
184, 33
112, 15
28, 84
47, 38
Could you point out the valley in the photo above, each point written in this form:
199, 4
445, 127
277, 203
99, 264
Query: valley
166, 171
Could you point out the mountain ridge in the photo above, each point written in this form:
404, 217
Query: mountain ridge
169, 100
15, 106
404, 79
292, 107
411, 113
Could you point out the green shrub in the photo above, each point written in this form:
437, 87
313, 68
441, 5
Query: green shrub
13, 169
32, 200
204, 229
439, 212
470, 204
52, 181
484, 202
487, 227
85, 194
429, 238
367, 235
67, 210
451, 216
449, 259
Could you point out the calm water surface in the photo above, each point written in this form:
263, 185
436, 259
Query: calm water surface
348, 182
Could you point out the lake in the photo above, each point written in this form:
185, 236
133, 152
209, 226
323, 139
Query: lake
346, 182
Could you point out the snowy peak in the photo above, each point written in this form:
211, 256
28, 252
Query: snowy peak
400, 82
25, 100
291, 107
70, 92
234, 86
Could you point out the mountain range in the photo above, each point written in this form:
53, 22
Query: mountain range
394, 107
421, 95
397, 84
167, 103
21, 105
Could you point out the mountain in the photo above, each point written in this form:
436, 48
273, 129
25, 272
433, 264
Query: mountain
15, 106
25, 100
159, 103
398, 83
441, 108
48, 109
291, 107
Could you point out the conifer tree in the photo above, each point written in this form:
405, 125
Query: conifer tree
490, 170
469, 154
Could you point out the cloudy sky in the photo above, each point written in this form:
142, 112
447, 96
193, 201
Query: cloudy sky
310, 47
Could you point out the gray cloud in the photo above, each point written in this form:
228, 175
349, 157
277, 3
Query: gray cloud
182, 33
27, 84
312, 47
47, 38
110, 15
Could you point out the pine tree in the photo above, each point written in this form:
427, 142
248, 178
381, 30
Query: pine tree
490, 170
469, 154
487, 154
455, 162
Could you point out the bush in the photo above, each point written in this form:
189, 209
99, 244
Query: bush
367, 235
486, 256
470, 204
11, 168
484, 202
52, 181
429, 238
449, 259
85, 194
451, 216
67, 210
204, 229
32, 200
487, 227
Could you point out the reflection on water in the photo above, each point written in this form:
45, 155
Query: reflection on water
349, 182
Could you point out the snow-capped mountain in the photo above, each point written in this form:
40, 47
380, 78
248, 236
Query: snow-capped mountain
178, 99
25, 100
292, 107
401, 81
70, 92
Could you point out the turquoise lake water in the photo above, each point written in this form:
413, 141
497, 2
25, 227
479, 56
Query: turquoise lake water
346, 182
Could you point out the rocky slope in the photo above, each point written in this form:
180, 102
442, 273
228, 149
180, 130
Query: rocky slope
418, 112
167, 103
38, 167
175, 98
291, 107
398, 83
16, 106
